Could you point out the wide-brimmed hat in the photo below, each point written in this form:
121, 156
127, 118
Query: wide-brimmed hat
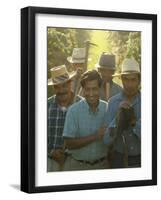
129, 66
60, 75
106, 61
78, 55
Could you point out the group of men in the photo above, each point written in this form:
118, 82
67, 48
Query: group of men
93, 123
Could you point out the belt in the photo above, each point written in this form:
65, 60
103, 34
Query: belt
92, 162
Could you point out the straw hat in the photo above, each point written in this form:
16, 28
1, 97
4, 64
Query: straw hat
106, 61
129, 66
78, 55
60, 75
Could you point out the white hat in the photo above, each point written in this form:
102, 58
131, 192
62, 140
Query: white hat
78, 55
60, 75
129, 66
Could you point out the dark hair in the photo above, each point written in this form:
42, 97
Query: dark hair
125, 118
90, 76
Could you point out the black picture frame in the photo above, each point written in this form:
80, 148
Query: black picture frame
28, 91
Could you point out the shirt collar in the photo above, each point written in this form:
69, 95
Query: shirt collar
57, 106
135, 100
89, 109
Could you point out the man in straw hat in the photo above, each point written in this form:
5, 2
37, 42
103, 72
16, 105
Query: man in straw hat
125, 134
106, 67
85, 126
57, 108
77, 60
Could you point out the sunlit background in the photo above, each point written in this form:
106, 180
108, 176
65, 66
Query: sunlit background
61, 42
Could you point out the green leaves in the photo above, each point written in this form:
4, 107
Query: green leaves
60, 44
61, 41
124, 44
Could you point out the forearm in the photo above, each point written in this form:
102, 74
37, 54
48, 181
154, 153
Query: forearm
77, 143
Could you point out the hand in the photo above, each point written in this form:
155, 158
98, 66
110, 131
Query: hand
125, 116
100, 133
58, 155
112, 132
125, 104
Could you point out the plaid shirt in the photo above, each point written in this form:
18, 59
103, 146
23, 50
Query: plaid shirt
56, 120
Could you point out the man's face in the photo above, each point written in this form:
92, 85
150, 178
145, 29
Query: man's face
131, 84
91, 92
106, 74
79, 66
63, 91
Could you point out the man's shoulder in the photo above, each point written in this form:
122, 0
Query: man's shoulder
116, 86
78, 98
51, 99
116, 98
103, 105
102, 102
77, 105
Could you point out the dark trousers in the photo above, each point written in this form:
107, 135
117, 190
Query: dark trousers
118, 161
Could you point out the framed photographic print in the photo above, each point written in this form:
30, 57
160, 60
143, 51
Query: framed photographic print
88, 99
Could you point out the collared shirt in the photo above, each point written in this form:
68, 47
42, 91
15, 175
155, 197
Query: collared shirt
80, 122
56, 119
114, 89
113, 106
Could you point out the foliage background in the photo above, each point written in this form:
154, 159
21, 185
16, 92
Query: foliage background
61, 42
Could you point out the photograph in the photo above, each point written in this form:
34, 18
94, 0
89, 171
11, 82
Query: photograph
96, 75
88, 99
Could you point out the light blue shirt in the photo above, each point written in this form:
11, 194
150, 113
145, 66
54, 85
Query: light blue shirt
80, 122
115, 89
113, 106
